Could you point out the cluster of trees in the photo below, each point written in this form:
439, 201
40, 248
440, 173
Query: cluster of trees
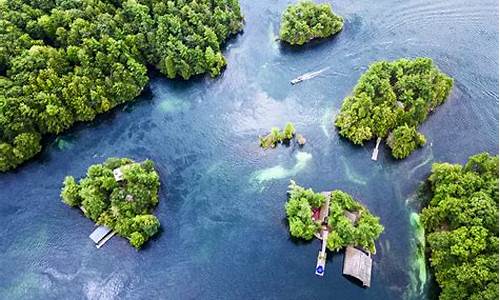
461, 225
277, 136
362, 233
124, 206
306, 20
390, 100
63, 62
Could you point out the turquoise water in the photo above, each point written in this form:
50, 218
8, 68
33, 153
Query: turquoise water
224, 233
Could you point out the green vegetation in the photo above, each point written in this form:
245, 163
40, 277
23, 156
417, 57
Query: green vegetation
276, 136
391, 100
461, 224
306, 20
299, 210
124, 206
63, 62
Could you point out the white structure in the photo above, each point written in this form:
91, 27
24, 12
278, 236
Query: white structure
101, 235
320, 264
307, 76
118, 173
375, 151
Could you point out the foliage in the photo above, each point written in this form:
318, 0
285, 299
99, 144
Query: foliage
63, 62
124, 206
343, 232
461, 224
393, 97
306, 20
276, 136
404, 140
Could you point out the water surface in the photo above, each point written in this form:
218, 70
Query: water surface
221, 209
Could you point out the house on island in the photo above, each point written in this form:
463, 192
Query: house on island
357, 263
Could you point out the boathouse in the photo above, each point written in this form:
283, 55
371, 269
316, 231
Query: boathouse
358, 264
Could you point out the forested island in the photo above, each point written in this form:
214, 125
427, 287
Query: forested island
342, 230
305, 21
119, 194
277, 136
461, 225
390, 101
63, 62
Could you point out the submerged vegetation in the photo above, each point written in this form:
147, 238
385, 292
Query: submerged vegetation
63, 62
391, 100
306, 20
276, 136
343, 232
124, 205
461, 224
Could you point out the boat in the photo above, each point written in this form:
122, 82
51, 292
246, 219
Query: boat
307, 76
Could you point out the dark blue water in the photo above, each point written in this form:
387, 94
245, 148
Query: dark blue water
221, 209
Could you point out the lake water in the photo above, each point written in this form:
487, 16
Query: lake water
221, 201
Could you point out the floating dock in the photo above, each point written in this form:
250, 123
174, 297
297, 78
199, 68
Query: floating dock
101, 235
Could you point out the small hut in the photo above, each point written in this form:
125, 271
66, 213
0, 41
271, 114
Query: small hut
118, 174
358, 264
352, 216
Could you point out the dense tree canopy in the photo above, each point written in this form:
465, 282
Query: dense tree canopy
299, 210
306, 20
391, 100
461, 224
124, 206
67, 61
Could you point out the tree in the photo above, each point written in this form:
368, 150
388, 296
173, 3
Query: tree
461, 225
124, 207
299, 211
69, 193
68, 61
404, 140
306, 20
391, 99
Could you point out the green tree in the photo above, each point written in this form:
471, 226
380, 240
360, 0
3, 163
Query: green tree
391, 99
306, 20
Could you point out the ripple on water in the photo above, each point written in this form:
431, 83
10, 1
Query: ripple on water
430, 13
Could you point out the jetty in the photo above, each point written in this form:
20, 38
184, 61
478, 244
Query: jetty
323, 216
307, 76
375, 151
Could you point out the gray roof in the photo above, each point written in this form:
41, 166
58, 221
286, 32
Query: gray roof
99, 233
358, 264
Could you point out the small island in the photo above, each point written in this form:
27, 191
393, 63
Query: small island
277, 136
461, 227
340, 222
119, 194
306, 21
390, 101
